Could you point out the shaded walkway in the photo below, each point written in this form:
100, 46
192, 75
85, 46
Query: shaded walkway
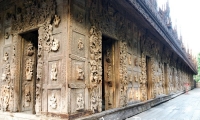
183, 107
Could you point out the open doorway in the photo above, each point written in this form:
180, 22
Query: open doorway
148, 72
29, 71
108, 69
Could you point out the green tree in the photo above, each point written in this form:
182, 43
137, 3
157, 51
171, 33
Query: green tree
197, 77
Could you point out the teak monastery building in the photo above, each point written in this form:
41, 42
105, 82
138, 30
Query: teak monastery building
75, 58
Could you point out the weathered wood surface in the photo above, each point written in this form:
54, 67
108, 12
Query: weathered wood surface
183, 107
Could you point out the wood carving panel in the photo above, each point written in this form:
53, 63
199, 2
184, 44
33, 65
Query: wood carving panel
77, 99
54, 72
78, 44
54, 100
78, 71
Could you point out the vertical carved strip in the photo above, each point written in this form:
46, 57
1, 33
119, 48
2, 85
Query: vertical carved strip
143, 79
123, 74
95, 69
39, 71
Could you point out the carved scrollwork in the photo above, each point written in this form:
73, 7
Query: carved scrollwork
123, 73
95, 67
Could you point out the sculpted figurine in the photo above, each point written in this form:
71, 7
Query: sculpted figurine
30, 49
54, 72
55, 45
53, 101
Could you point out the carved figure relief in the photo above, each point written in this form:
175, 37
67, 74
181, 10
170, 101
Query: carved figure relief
55, 45
54, 72
38, 99
30, 49
80, 73
27, 96
6, 35
53, 101
56, 20
80, 44
5, 93
80, 102
29, 69
6, 71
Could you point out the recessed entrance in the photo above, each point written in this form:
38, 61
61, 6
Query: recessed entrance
28, 71
108, 82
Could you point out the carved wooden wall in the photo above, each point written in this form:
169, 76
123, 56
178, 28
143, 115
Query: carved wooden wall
69, 58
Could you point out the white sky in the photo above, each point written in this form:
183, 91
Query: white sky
186, 15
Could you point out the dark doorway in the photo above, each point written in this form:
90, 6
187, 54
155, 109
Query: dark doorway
165, 78
148, 72
28, 71
108, 80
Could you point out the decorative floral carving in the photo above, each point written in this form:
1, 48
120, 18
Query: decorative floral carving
79, 102
95, 67
33, 13
53, 101
123, 73
29, 69
54, 72
6, 75
143, 79
56, 20
5, 96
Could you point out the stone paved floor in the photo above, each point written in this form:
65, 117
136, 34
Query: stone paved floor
183, 107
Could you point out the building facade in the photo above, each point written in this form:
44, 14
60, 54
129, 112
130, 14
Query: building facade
73, 58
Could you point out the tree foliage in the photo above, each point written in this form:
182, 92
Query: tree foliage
197, 77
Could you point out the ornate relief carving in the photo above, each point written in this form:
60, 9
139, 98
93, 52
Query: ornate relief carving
53, 101
55, 45
6, 75
51, 44
54, 72
6, 35
123, 73
29, 69
33, 13
80, 102
38, 99
5, 97
80, 73
143, 79
30, 49
27, 96
56, 20
95, 68
80, 44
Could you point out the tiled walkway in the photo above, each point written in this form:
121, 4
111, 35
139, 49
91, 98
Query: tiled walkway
183, 107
